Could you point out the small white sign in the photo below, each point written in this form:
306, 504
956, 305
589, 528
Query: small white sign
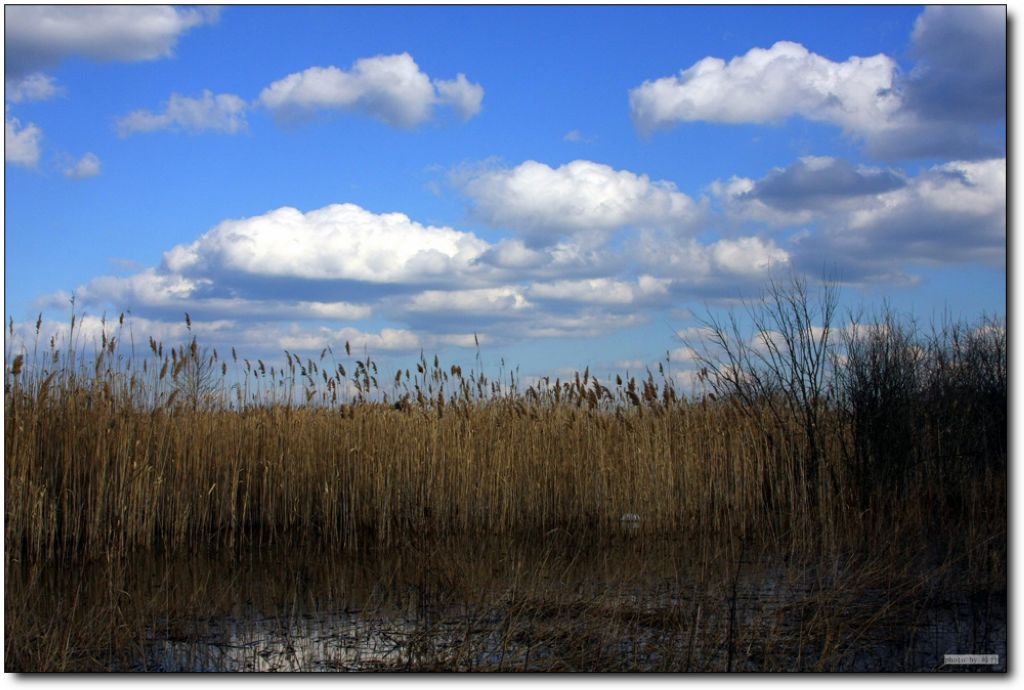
964, 659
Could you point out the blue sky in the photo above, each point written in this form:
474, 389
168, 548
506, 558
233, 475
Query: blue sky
570, 184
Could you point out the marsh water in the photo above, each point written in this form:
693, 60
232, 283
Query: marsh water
541, 604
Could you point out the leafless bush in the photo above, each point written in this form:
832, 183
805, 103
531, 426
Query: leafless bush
780, 363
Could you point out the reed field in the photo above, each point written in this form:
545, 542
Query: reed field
863, 463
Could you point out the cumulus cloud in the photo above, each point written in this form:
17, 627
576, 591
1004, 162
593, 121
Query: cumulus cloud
747, 256
804, 191
285, 265
947, 211
739, 205
732, 262
510, 259
37, 37
871, 222
337, 242
292, 278
223, 112
32, 87
273, 277
815, 181
961, 63
149, 288
770, 85
958, 83
514, 254
86, 166
584, 199
391, 88
954, 98
951, 213
21, 142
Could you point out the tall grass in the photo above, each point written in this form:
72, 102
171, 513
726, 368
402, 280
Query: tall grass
183, 449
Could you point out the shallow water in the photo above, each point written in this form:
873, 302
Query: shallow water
631, 604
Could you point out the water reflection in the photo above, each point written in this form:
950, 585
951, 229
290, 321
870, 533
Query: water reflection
548, 604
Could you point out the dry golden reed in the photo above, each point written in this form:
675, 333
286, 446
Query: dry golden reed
116, 457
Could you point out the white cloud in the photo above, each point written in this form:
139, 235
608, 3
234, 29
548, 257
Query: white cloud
87, 166
32, 87
170, 293
341, 242
694, 334
223, 112
601, 290
322, 310
511, 260
747, 256
952, 213
957, 188
477, 301
588, 323
462, 339
684, 354
391, 88
770, 85
726, 261
21, 143
740, 204
149, 287
937, 109
585, 199
514, 254
956, 90
465, 96
869, 221
387, 340
273, 273
270, 279
280, 309
690, 381
40, 36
